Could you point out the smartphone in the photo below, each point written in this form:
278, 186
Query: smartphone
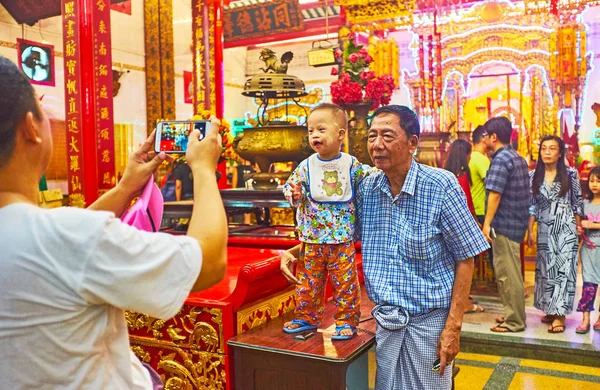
436, 365
172, 136
493, 233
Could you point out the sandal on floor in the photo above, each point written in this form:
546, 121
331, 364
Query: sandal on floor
304, 326
476, 309
547, 319
499, 320
553, 329
338, 330
500, 329
597, 326
582, 330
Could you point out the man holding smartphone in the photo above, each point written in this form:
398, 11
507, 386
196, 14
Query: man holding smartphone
67, 274
507, 213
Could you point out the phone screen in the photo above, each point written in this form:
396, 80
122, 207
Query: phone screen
172, 136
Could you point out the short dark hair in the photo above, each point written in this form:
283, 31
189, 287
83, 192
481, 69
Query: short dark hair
409, 121
501, 126
16, 100
478, 134
338, 113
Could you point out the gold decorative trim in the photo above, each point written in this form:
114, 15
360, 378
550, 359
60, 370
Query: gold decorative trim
258, 314
195, 369
10, 45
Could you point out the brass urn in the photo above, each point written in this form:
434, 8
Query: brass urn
273, 141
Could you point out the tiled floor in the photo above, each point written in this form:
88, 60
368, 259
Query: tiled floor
481, 323
504, 373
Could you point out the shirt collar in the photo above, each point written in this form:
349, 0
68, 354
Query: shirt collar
410, 182
497, 152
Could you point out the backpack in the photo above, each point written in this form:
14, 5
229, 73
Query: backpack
168, 190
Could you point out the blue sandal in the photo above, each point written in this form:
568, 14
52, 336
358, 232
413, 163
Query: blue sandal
304, 326
338, 330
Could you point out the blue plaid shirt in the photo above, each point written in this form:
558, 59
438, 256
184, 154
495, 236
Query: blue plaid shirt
411, 242
509, 176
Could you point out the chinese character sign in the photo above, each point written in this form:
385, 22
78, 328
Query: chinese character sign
103, 96
73, 119
257, 20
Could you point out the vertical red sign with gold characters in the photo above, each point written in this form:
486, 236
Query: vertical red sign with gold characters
73, 109
103, 96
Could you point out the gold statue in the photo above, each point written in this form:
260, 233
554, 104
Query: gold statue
273, 64
596, 108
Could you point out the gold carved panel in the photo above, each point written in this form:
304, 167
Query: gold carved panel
197, 328
258, 314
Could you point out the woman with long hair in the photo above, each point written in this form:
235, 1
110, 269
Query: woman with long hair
458, 163
557, 206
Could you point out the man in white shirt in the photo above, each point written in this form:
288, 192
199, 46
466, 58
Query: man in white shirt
67, 274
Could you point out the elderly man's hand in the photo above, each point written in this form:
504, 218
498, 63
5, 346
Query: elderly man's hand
287, 261
142, 163
448, 346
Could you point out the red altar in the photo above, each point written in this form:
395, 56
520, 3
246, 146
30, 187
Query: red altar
190, 350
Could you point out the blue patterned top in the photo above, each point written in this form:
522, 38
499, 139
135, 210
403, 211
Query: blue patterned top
508, 175
411, 242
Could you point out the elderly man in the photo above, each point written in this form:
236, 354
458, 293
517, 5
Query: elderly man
67, 274
418, 243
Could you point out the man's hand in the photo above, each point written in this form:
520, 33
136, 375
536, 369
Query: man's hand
287, 261
585, 224
580, 229
448, 346
297, 191
142, 164
486, 229
530, 240
204, 153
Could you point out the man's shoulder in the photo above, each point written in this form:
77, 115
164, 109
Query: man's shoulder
435, 176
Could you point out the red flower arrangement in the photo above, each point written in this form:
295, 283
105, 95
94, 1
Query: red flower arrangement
356, 83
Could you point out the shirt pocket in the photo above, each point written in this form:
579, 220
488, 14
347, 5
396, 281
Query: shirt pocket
419, 245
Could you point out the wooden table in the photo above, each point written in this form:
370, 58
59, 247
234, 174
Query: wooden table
266, 358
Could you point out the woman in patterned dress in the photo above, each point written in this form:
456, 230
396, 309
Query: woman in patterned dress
557, 206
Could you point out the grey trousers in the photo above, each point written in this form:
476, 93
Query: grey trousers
507, 266
405, 356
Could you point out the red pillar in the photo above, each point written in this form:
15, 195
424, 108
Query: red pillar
88, 99
209, 83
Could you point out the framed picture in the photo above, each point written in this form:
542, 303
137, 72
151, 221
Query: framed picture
36, 60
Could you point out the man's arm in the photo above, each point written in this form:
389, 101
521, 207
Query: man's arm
490, 211
178, 186
449, 342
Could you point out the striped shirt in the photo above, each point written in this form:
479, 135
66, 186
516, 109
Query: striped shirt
411, 242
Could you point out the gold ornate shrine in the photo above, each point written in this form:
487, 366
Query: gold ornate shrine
498, 58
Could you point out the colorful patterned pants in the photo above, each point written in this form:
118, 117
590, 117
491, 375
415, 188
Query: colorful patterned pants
315, 263
588, 295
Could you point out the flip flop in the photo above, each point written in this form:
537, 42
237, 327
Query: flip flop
582, 330
304, 326
500, 329
553, 328
338, 330
547, 319
597, 326
476, 309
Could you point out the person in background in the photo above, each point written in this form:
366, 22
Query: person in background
507, 210
67, 274
184, 181
556, 205
590, 254
458, 163
479, 165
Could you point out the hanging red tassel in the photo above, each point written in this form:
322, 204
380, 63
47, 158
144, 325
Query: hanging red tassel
554, 7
